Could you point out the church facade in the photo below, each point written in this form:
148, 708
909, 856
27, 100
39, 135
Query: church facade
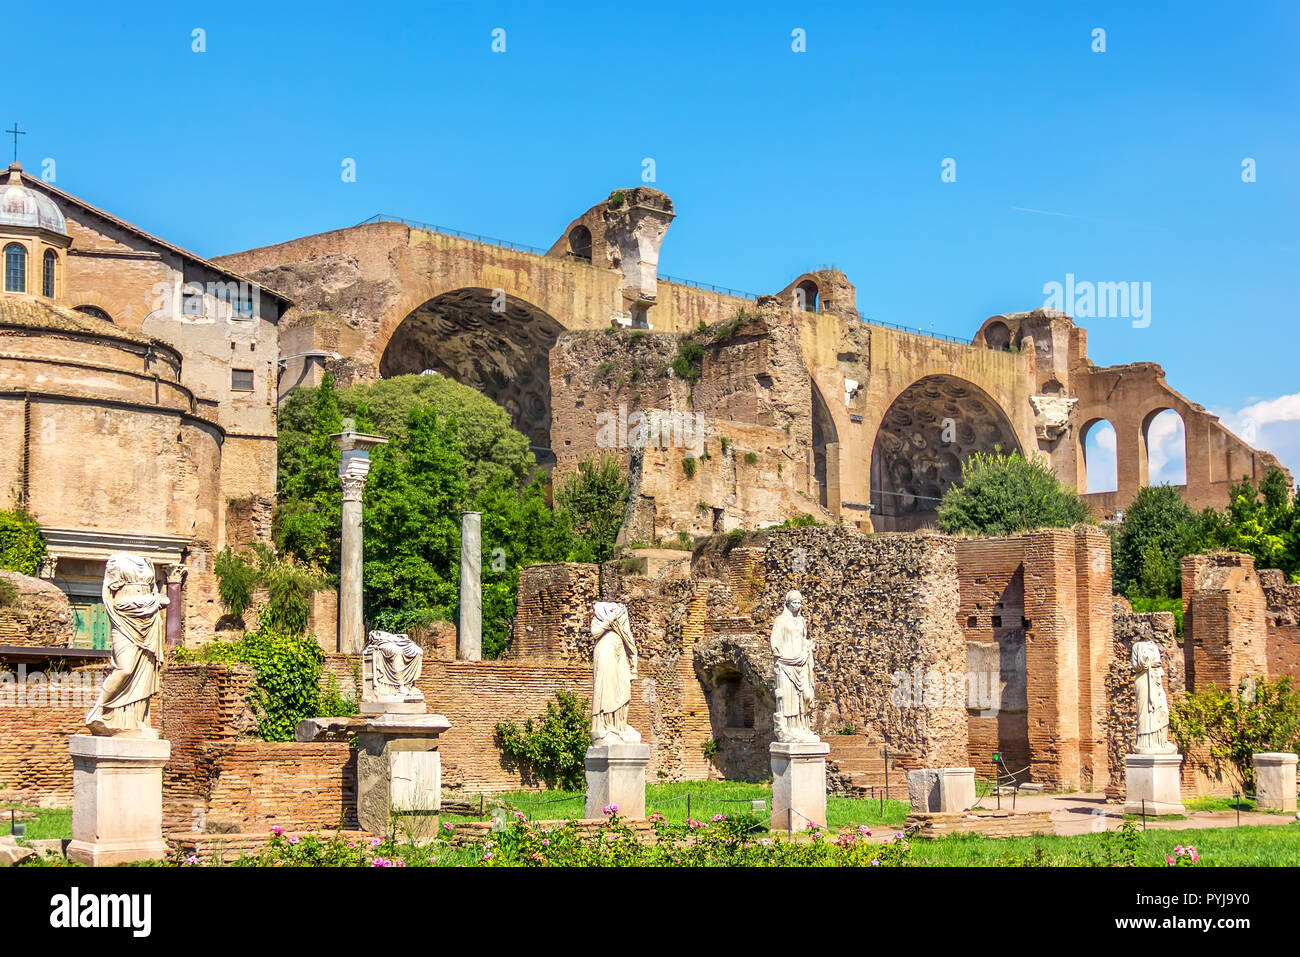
138, 388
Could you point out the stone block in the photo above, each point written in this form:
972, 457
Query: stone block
798, 784
399, 774
117, 799
616, 775
923, 790
1152, 784
1275, 780
11, 853
941, 790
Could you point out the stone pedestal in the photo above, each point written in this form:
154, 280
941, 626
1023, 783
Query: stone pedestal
399, 775
616, 775
1275, 780
1153, 779
941, 790
117, 799
798, 785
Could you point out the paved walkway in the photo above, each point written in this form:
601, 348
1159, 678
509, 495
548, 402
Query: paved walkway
1090, 814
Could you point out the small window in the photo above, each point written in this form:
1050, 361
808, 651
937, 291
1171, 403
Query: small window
241, 380
94, 311
47, 280
15, 268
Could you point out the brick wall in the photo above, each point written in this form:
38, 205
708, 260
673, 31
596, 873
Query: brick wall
35, 766
40, 616
1282, 611
1224, 620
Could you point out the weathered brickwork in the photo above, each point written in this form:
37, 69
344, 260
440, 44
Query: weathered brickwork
41, 614
1035, 612
35, 766
1224, 620
1282, 610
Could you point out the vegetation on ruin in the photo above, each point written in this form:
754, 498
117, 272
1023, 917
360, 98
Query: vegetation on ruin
450, 450
690, 465
287, 669
21, 544
1236, 726
1005, 494
1159, 529
551, 748
289, 586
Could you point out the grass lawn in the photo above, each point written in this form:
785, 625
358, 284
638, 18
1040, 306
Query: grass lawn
49, 823
707, 798
1218, 847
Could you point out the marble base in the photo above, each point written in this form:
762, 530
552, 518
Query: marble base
399, 774
798, 784
616, 775
941, 790
1275, 777
402, 706
1152, 783
117, 799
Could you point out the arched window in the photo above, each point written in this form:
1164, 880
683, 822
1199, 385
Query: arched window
805, 296
1100, 465
94, 311
47, 279
1164, 442
15, 268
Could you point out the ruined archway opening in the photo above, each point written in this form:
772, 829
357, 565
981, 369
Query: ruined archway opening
997, 335
491, 342
806, 295
1164, 448
823, 436
580, 243
926, 434
1100, 466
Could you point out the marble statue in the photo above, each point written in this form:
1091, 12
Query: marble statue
135, 613
1152, 705
792, 649
613, 666
395, 662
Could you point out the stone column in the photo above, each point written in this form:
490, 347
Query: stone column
470, 635
175, 617
354, 466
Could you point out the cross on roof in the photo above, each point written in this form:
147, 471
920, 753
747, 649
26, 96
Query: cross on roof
16, 133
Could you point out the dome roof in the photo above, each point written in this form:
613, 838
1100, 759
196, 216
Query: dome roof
21, 206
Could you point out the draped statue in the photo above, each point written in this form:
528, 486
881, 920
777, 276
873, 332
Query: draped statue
792, 649
395, 662
1152, 705
613, 666
137, 624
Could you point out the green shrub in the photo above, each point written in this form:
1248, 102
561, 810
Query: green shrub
1005, 494
690, 465
21, 544
287, 669
1236, 728
553, 747
1172, 605
689, 361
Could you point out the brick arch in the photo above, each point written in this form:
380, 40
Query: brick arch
925, 434
491, 341
1144, 447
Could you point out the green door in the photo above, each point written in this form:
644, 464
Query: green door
90, 626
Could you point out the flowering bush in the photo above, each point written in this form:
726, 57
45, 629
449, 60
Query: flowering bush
1183, 857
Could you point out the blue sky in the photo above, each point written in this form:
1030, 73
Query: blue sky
1122, 166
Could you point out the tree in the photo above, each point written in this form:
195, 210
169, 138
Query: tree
1159, 528
1264, 523
21, 544
1236, 726
1005, 494
595, 500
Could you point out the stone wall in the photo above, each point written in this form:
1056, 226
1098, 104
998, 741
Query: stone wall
35, 766
1282, 612
1035, 612
40, 615
1224, 620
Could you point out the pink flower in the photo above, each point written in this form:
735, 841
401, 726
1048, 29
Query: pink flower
375, 842
546, 842
277, 830
875, 862
401, 863
487, 856
719, 817
1192, 851
864, 830
381, 862
192, 859
1169, 861
1179, 850
352, 843
294, 840
693, 824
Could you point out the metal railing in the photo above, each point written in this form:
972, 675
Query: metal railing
663, 277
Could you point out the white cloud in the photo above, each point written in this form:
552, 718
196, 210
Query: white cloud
1269, 424
1166, 450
